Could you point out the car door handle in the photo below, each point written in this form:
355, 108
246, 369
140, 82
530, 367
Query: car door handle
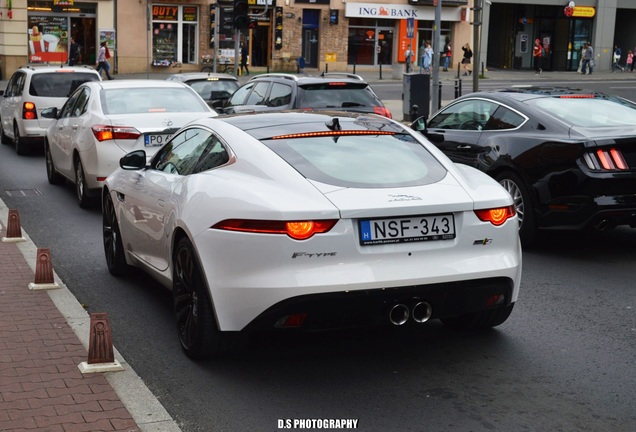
161, 203
75, 127
463, 147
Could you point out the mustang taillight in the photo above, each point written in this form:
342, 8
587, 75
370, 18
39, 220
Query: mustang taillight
105, 132
606, 159
382, 111
28, 111
298, 230
496, 216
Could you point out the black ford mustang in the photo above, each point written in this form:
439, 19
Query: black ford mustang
567, 156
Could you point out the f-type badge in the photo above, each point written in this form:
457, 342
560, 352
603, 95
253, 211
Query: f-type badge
482, 242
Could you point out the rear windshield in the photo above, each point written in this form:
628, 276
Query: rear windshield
58, 84
361, 161
214, 89
150, 100
336, 95
589, 112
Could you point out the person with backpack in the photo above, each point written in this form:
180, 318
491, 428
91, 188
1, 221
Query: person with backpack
538, 53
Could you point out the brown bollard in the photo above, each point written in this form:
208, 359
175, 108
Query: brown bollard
43, 271
101, 354
100, 344
14, 231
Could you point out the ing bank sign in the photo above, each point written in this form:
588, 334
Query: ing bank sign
398, 12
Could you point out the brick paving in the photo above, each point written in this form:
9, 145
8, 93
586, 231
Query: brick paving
41, 387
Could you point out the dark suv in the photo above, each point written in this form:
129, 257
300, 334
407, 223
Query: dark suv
329, 91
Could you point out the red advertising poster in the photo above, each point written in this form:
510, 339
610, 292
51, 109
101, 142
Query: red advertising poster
48, 39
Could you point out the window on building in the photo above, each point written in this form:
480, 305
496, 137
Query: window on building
174, 34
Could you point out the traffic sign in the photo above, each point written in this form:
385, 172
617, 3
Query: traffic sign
410, 27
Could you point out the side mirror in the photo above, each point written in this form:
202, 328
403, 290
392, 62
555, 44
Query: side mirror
50, 113
419, 124
134, 160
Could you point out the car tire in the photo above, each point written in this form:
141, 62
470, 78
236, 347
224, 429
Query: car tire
479, 320
198, 333
80, 185
113, 246
523, 205
4, 139
51, 173
18, 142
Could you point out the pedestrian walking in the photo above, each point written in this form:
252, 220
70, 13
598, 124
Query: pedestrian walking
446, 55
427, 57
244, 59
588, 59
74, 53
537, 54
617, 58
629, 61
468, 55
408, 58
102, 60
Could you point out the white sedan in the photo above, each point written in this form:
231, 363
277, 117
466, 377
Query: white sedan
104, 120
299, 220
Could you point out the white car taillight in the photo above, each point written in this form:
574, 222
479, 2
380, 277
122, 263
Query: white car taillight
105, 132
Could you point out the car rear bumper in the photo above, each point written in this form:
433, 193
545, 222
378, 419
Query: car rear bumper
598, 212
251, 274
364, 308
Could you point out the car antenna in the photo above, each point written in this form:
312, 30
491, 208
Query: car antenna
334, 124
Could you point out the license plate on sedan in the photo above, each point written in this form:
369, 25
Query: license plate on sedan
154, 140
406, 230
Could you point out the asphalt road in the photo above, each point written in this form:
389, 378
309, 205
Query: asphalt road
564, 360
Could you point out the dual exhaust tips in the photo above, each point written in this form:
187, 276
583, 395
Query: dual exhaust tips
399, 313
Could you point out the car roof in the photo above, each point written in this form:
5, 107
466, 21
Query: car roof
136, 83
267, 124
524, 93
36, 68
187, 76
313, 79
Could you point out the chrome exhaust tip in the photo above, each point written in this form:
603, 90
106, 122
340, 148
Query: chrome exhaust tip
421, 312
399, 314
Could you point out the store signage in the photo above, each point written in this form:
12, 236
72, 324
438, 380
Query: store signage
313, 1
398, 12
165, 13
63, 2
583, 12
190, 13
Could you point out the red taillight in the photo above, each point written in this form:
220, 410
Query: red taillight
28, 111
105, 132
496, 216
298, 230
382, 111
605, 159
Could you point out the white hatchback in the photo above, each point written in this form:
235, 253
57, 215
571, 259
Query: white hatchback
29, 91
102, 121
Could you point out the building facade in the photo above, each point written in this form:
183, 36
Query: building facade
339, 35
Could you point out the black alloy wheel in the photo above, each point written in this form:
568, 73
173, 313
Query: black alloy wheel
113, 246
196, 324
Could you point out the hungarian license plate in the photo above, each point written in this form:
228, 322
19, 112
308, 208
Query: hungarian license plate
153, 140
406, 230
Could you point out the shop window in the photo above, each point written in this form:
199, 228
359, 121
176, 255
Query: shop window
174, 34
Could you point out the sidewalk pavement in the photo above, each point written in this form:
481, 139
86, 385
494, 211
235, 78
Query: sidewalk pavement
43, 339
